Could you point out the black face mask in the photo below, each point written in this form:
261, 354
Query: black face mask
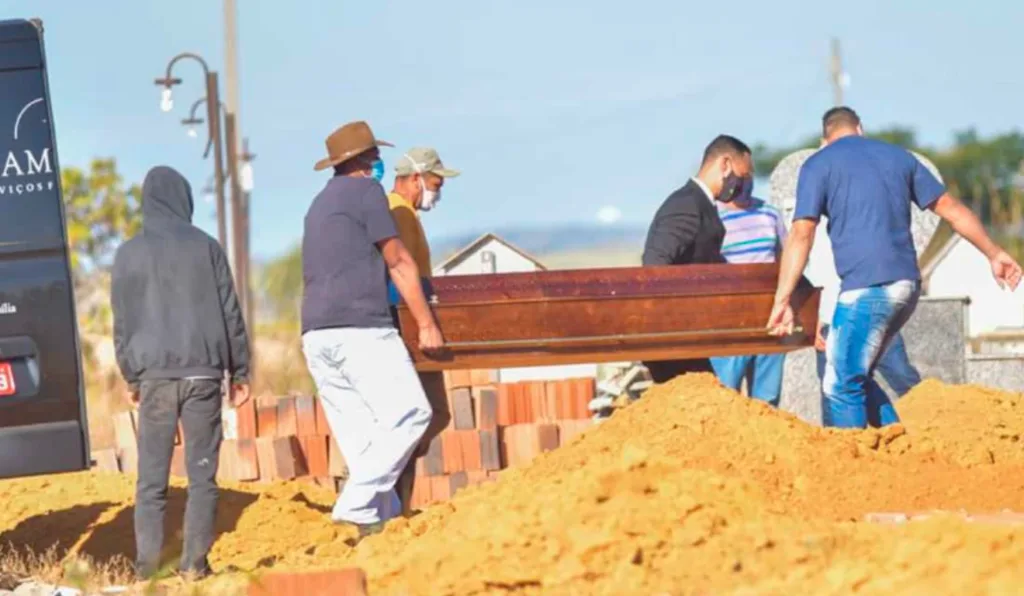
731, 188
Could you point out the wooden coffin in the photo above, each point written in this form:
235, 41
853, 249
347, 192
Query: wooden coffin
606, 315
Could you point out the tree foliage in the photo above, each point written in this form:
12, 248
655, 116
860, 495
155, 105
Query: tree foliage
101, 213
280, 284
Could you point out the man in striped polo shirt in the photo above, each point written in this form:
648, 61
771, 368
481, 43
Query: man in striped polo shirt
754, 233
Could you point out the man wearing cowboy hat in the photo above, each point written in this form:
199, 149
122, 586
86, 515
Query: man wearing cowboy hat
419, 176
372, 397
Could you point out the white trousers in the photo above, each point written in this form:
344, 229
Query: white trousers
377, 411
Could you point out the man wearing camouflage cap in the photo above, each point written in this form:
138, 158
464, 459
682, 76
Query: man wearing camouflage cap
419, 176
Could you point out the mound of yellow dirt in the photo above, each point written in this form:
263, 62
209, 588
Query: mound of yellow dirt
693, 489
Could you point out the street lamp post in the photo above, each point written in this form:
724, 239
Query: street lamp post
238, 229
213, 120
246, 184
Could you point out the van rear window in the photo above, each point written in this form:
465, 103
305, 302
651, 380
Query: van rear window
30, 210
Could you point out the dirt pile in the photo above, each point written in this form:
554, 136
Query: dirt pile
691, 489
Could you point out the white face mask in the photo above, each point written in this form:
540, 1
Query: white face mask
430, 197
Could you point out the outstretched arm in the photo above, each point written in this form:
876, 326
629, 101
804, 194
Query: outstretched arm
964, 222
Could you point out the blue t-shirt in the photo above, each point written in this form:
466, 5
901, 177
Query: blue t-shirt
865, 188
343, 270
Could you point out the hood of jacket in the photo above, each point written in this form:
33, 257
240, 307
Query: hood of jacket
166, 198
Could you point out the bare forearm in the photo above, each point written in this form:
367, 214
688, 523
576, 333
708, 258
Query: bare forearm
794, 260
406, 278
966, 223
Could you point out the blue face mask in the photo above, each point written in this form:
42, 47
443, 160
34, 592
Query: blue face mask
378, 169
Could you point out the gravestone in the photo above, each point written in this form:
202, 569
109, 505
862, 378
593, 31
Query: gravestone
934, 335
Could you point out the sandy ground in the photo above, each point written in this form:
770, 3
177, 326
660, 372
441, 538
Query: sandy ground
693, 489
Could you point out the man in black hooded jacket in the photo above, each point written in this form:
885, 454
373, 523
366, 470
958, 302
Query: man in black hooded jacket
178, 328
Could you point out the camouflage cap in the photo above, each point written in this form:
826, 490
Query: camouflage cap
422, 159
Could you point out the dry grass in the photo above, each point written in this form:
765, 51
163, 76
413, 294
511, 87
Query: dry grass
47, 567
81, 573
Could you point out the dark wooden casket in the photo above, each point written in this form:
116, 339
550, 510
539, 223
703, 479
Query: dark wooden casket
607, 315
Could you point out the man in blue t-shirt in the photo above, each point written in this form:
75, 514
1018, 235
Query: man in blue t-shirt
865, 188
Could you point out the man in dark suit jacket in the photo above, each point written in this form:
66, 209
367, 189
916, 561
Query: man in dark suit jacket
686, 229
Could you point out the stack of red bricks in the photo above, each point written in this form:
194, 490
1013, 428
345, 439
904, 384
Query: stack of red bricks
493, 426
268, 439
498, 425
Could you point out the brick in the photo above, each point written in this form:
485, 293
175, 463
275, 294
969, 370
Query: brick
346, 582
553, 401
266, 420
440, 488
485, 405
451, 448
476, 477
469, 441
490, 450
523, 442
421, 467
507, 439
278, 458
479, 377
128, 459
246, 460
569, 429
462, 409
547, 437
506, 405
583, 393
322, 426
421, 493
458, 379
336, 466
459, 481
536, 392
287, 421
433, 461
305, 416
125, 431
105, 460
246, 420
227, 464
315, 454
178, 463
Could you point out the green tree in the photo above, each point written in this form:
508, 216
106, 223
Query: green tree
280, 285
101, 213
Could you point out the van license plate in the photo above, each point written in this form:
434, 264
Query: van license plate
6, 380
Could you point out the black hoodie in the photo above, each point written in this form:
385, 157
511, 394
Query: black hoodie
176, 314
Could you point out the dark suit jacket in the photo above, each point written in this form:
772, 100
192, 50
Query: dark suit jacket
686, 229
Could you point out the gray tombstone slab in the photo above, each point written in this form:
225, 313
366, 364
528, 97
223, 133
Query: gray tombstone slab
934, 335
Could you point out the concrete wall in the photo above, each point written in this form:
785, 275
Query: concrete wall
935, 338
1004, 372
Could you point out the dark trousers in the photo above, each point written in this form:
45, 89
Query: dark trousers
197, 402
666, 370
437, 395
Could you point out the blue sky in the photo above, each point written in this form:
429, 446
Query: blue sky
552, 110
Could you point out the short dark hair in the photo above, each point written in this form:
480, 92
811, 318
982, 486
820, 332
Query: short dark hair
724, 145
837, 117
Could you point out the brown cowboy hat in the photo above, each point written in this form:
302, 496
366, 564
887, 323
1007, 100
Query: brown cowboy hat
347, 142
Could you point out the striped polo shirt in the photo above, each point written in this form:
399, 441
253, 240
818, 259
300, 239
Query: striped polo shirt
754, 232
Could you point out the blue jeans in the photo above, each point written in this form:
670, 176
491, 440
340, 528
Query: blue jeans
894, 366
763, 373
864, 324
